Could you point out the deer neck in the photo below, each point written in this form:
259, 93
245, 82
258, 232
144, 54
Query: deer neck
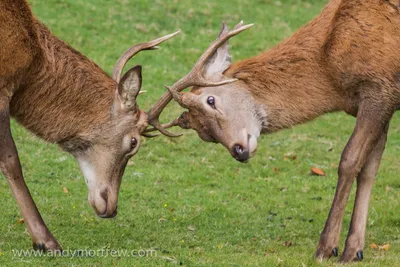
65, 94
291, 81
290, 93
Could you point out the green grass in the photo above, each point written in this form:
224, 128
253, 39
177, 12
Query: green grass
188, 199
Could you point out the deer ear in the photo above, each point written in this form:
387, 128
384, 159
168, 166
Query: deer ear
220, 60
129, 88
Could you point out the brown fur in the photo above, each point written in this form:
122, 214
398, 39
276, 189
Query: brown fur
58, 93
318, 69
63, 97
346, 59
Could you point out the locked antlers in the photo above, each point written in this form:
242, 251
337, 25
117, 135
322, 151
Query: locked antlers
193, 78
130, 84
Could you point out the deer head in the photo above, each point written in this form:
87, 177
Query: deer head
220, 109
103, 152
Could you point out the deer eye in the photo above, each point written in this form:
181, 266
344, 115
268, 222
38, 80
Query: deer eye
211, 101
134, 142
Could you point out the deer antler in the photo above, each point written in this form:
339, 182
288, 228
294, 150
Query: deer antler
152, 45
193, 78
173, 123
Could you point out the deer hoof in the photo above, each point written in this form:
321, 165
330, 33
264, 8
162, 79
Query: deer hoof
335, 252
39, 247
360, 255
324, 254
348, 256
51, 245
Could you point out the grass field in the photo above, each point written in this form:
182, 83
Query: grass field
188, 200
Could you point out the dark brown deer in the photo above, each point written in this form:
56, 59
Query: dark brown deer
64, 98
346, 59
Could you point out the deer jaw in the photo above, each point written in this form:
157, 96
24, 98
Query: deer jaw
226, 114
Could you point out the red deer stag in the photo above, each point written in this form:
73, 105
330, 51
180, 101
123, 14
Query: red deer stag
346, 59
64, 98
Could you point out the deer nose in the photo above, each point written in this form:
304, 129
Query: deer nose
240, 153
108, 213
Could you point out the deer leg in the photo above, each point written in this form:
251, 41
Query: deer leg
11, 168
356, 236
372, 119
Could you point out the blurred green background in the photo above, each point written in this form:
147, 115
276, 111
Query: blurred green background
186, 199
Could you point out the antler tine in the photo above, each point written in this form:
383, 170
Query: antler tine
240, 24
146, 133
164, 126
193, 78
119, 66
218, 42
157, 108
149, 135
157, 125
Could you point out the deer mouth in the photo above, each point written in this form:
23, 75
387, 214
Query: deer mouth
108, 215
252, 143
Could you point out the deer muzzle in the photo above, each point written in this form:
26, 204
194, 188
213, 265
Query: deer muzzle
244, 150
103, 189
104, 202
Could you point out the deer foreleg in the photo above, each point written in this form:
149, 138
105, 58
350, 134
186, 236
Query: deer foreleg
11, 168
372, 119
356, 236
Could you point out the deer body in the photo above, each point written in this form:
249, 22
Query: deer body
345, 59
319, 69
64, 98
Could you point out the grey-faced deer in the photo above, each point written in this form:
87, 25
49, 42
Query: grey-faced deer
64, 98
346, 59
